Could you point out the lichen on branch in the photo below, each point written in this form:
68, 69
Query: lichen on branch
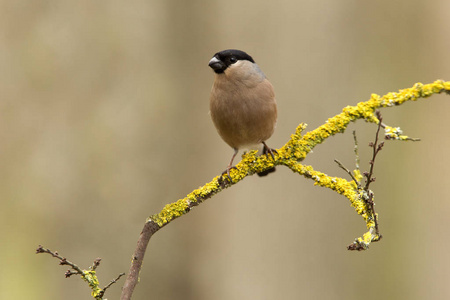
291, 155
298, 147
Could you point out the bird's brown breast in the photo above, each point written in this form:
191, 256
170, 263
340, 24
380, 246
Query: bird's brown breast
244, 112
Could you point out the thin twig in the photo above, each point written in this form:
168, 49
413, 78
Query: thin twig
78, 271
347, 171
376, 148
110, 284
62, 261
96, 263
356, 150
372, 207
356, 162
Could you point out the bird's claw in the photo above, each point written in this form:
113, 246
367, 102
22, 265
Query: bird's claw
266, 150
227, 171
226, 176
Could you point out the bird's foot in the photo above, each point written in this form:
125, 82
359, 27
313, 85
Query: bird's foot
227, 171
266, 150
226, 178
271, 151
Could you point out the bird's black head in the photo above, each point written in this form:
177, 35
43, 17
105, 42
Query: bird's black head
223, 59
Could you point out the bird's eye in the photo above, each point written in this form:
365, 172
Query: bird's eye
233, 59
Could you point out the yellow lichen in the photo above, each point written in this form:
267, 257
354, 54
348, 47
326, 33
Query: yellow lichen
357, 175
298, 147
91, 278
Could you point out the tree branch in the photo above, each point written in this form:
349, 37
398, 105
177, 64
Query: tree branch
147, 232
88, 276
290, 155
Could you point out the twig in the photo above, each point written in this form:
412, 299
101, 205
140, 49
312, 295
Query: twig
376, 148
88, 276
347, 171
366, 193
375, 219
62, 261
356, 150
110, 284
358, 184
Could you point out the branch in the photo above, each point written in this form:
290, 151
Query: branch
365, 193
150, 228
290, 155
87, 275
376, 149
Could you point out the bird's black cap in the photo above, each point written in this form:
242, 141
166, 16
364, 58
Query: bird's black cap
223, 59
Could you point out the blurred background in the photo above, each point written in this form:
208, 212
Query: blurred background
104, 120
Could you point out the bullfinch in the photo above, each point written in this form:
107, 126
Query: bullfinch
242, 103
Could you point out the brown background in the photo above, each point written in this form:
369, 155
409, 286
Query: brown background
104, 120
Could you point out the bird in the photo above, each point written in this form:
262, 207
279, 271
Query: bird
242, 104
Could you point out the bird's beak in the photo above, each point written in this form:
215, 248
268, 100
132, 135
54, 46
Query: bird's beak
217, 65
